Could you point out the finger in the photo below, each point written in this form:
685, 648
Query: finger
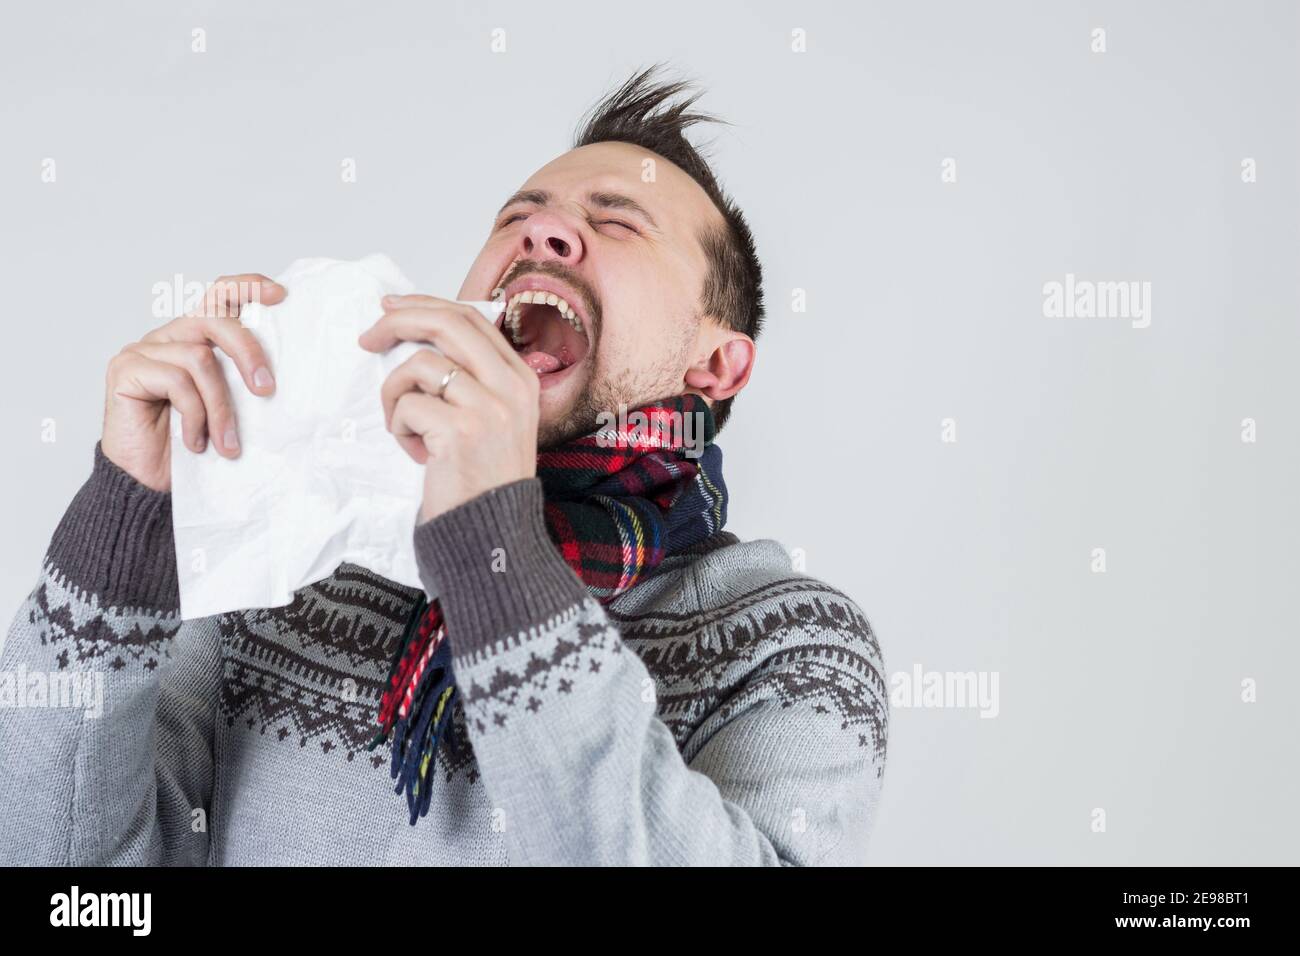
487, 327
453, 333
418, 420
229, 294
484, 326
425, 371
390, 302
413, 445
205, 370
140, 377
232, 338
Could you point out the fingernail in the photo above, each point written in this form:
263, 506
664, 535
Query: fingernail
231, 440
262, 377
201, 443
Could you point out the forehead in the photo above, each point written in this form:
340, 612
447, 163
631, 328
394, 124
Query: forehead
677, 202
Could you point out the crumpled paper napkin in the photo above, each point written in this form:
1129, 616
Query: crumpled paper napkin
319, 480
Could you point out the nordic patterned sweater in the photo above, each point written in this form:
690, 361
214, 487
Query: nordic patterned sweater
724, 711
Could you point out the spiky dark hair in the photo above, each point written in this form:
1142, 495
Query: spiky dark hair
654, 113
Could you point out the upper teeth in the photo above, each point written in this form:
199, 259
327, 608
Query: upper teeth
539, 297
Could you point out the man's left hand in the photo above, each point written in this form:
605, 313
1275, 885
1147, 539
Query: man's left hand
481, 432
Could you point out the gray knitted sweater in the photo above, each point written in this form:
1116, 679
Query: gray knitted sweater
724, 711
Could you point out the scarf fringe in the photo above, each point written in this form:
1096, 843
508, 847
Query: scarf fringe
416, 725
415, 747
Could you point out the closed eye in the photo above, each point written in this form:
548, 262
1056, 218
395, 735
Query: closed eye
515, 217
616, 222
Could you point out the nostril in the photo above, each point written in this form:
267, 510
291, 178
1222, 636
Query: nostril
560, 246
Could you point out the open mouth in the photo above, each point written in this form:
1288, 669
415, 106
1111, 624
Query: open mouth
547, 331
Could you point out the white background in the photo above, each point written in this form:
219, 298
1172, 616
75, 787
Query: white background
1119, 691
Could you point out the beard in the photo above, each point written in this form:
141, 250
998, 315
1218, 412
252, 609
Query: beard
582, 418
603, 394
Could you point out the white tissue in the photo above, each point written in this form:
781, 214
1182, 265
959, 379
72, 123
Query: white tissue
319, 480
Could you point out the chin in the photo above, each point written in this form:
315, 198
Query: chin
566, 407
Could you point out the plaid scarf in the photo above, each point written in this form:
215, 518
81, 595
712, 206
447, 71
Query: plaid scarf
618, 501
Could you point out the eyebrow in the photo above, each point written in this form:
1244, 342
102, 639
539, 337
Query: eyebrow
538, 197
619, 201
605, 200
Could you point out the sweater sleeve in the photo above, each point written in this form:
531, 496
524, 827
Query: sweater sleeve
106, 700
563, 720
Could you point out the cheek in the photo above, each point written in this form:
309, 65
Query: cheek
647, 294
663, 319
484, 271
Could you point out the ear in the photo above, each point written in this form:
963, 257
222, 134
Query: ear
724, 359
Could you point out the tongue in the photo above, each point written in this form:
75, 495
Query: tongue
541, 362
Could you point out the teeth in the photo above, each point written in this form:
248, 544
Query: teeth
538, 297
512, 323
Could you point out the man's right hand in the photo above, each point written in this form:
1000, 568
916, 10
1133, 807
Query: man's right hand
174, 365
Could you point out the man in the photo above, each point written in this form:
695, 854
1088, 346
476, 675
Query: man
605, 677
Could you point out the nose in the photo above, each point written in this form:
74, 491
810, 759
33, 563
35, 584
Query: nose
548, 236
